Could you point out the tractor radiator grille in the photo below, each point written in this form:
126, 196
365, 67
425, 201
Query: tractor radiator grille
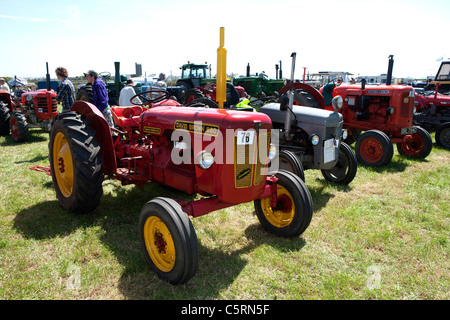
42, 105
248, 164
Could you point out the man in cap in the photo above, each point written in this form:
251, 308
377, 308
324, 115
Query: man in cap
100, 95
127, 93
4, 85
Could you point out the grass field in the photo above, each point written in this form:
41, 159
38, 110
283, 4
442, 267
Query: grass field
385, 236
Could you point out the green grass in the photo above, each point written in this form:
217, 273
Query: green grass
385, 236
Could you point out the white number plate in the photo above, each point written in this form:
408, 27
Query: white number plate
245, 137
328, 150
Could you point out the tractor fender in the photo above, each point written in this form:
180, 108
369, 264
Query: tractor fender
103, 133
6, 97
303, 86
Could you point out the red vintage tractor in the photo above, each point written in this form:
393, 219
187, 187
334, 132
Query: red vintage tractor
433, 106
385, 114
220, 154
34, 109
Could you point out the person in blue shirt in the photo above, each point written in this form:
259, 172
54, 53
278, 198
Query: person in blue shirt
66, 91
100, 96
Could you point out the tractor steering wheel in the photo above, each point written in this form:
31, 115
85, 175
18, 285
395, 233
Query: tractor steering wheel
148, 101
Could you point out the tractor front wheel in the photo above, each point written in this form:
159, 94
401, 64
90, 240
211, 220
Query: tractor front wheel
345, 169
416, 145
75, 163
294, 208
168, 240
19, 126
442, 135
374, 148
289, 161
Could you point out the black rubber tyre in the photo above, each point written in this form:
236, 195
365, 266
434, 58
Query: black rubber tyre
168, 240
289, 161
85, 93
442, 135
4, 119
75, 163
419, 147
19, 126
193, 94
345, 169
293, 212
374, 148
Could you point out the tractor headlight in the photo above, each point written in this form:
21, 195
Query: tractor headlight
314, 139
29, 97
205, 160
272, 151
344, 134
390, 111
337, 103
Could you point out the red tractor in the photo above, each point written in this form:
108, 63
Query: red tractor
222, 155
34, 109
385, 114
433, 106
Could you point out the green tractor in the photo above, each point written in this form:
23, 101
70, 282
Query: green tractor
194, 75
260, 85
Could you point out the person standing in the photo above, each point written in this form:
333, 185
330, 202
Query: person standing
66, 90
100, 96
127, 93
4, 85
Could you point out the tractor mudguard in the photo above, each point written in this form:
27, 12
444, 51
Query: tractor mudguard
303, 86
103, 132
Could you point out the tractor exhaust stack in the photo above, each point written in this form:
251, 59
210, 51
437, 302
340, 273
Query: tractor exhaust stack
290, 93
389, 72
221, 78
49, 86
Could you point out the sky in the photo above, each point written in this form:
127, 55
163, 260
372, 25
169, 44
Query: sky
355, 36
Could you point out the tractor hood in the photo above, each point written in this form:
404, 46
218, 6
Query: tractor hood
160, 119
303, 115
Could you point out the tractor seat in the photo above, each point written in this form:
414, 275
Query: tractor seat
127, 116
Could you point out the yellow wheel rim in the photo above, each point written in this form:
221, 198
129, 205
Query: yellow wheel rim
283, 214
63, 164
159, 244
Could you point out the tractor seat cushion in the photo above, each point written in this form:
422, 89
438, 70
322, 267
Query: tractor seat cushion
127, 116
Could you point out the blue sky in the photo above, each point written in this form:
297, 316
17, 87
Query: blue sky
345, 35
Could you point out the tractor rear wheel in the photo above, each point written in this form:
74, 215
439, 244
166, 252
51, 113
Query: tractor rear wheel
416, 145
304, 98
374, 148
168, 240
193, 94
442, 135
75, 163
289, 161
294, 209
4, 119
19, 126
85, 93
345, 169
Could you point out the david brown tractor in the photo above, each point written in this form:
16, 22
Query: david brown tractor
310, 138
35, 109
219, 154
385, 114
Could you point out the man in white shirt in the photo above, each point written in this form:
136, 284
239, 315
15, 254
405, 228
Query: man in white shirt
4, 85
127, 93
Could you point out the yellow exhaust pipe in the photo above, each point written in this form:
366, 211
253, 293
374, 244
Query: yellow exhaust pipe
221, 77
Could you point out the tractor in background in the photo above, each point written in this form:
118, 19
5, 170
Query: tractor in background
432, 108
376, 116
34, 109
222, 155
260, 85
